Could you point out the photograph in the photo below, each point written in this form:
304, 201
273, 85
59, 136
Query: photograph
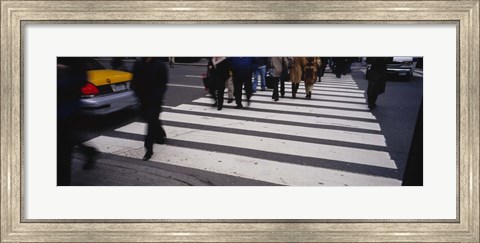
239, 121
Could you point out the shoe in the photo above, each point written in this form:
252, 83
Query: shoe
147, 156
276, 99
248, 102
263, 89
230, 100
309, 95
239, 106
293, 95
372, 106
219, 108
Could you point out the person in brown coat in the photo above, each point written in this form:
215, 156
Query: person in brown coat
310, 73
296, 71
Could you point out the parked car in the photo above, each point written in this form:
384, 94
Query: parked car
402, 67
106, 90
399, 67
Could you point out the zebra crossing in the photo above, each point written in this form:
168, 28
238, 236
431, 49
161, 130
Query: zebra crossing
331, 140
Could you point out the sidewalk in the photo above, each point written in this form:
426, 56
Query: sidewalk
120, 171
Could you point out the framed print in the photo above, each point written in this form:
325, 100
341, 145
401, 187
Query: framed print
247, 205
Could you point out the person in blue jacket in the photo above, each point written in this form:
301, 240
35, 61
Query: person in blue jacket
242, 69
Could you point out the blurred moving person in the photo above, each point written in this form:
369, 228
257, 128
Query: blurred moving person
171, 62
70, 79
220, 68
377, 79
277, 66
150, 78
261, 71
229, 85
242, 69
310, 74
296, 70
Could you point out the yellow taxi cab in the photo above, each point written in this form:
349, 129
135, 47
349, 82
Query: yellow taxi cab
106, 91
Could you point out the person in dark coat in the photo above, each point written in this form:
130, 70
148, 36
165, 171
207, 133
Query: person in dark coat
323, 66
377, 79
340, 66
150, 78
242, 69
220, 68
71, 77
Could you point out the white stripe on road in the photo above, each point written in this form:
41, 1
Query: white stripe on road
346, 87
187, 86
323, 92
300, 109
315, 96
321, 88
194, 76
283, 117
312, 150
311, 102
240, 166
299, 131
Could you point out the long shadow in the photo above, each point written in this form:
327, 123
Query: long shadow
396, 112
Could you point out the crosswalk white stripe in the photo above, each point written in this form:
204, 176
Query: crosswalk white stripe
324, 97
187, 86
312, 102
283, 117
320, 88
299, 131
343, 87
300, 109
321, 92
240, 166
312, 150
338, 82
338, 86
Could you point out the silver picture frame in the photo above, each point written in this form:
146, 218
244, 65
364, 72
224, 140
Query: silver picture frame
464, 14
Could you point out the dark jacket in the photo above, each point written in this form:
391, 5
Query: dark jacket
150, 81
377, 77
243, 66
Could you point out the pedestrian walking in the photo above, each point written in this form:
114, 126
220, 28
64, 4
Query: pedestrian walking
171, 62
220, 73
310, 74
296, 70
229, 85
323, 66
340, 66
377, 79
261, 62
150, 78
242, 69
277, 66
71, 77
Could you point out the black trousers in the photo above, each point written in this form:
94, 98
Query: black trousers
217, 91
372, 98
276, 80
65, 143
155, 132
238, 82
295, 88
